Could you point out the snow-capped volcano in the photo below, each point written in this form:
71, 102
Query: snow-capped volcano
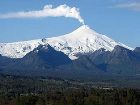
82, 40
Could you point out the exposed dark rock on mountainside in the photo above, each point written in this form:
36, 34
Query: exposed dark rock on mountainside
46, 61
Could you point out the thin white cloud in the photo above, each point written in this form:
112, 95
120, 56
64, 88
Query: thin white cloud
133, 6
47, 11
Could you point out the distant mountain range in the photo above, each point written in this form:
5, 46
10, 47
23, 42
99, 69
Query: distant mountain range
83, 54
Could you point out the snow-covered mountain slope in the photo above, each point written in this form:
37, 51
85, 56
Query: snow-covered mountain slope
82, 40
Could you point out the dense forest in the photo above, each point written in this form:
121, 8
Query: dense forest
17, 90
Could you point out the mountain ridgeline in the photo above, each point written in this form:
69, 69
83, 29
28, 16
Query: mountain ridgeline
82, 40
46, 61
83, 54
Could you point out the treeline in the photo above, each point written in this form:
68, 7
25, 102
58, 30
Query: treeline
16, 90
75, 97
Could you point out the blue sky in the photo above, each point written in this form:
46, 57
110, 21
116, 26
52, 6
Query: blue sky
118, 19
